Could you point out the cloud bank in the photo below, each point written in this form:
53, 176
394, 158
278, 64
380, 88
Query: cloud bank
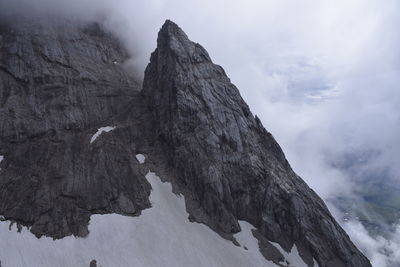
323, 76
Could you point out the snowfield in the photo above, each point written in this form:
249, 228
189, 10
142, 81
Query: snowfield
161, 236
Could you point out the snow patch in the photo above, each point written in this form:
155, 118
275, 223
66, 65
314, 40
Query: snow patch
161, 236
246, 239
293, 258
1, 159
141, 158
100, 131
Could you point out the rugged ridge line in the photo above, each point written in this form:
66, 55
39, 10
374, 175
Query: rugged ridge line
60, 82
231, 166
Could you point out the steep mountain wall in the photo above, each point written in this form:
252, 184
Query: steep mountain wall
232, 166
59, 82
62, 82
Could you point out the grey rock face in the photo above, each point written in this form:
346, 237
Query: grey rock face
93, 263
227, 162
60, 82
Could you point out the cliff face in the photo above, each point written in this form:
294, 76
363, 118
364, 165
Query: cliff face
59, 84
232, 166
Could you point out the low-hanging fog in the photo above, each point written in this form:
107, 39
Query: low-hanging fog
323, 76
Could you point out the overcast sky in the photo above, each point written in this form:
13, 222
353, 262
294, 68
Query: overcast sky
323, 76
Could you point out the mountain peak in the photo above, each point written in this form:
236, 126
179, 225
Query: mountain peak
226, 164
170, 29
171, 33
172, 40
169, 24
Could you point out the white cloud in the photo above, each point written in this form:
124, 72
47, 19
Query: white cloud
383, 252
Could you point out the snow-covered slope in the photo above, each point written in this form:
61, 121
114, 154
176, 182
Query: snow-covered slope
160, 236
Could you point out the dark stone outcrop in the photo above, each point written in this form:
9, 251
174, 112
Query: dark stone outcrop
93, 263
233, 167
60, 82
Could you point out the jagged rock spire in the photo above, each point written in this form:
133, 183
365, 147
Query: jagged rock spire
229, 166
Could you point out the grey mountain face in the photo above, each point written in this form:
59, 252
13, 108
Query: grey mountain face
59, 84
232, 166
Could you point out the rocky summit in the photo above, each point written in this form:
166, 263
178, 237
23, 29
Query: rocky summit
73, 119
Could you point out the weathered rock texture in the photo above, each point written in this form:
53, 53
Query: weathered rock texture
59, 83
232, 166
